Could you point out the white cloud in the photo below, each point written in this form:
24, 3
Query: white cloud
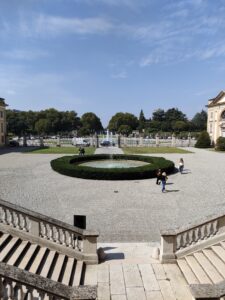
119, 75
55, 25
19, 54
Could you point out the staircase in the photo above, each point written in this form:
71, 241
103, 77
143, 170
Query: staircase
41, 260
206, 266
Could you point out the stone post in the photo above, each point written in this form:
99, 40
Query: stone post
90, 248
189, 139
141, 141
157, 140
167, 250
41, 142
34, 227
97, 141
173, 140
24, 141
119, 145
58, 144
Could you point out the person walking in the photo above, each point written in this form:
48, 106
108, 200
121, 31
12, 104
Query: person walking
181, 165
163, 180
158, 176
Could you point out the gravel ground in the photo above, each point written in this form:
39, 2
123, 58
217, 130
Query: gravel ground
122, 211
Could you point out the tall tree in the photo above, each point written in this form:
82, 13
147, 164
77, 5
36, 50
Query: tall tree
123, 119
199, 121
141, 121
91, 122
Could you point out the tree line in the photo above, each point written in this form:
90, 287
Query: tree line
54, 122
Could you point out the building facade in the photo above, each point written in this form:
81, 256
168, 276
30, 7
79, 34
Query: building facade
2, 122
216, 116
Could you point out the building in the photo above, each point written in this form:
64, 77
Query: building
2, 122
216, 116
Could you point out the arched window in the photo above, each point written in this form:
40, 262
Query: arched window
223, 115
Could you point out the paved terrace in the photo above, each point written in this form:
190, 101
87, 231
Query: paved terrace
131, 211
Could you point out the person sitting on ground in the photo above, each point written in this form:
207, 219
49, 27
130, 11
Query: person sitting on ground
181, 165
163, 180
158, 176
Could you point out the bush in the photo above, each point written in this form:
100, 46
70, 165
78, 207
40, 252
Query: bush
220, 144
203, 140
70, 166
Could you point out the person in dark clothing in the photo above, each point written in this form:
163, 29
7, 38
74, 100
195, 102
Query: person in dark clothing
158, 176
163, 180
83, 151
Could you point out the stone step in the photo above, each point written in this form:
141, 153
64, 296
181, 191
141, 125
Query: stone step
16, 255
58, 267
27, 257
9, 247
37, 261
68, 271
48, 263
208, 267
187, 271
220, 251
78, 273
215, 260
197, 270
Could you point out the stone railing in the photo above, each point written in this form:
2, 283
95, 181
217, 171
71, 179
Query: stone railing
50, 232
179, 242
17, 284
208, 291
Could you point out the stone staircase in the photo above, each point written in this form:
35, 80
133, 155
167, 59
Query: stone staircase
206, 266
41, 260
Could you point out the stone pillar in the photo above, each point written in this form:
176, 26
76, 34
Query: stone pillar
90, 249
173, 140
58, 142
41, 142
24, 141
97, 141
119, 145
189, 139
167, 250
141, 141
157, 140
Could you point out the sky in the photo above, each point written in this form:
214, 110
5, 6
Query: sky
108, 56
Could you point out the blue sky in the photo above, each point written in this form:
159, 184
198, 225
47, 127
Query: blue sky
107, 56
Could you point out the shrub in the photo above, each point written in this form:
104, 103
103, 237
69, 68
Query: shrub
203, 140
70, 166
220, 144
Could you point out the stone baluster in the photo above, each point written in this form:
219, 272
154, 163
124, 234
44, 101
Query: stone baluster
9, 287
1, 288
18, 292
30, 295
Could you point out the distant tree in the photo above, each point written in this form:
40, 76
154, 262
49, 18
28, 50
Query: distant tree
203, 140
16, 122
125, 129
180, 126
141, 121
91, 122
199, 121
42, 126
123, 119
158, 115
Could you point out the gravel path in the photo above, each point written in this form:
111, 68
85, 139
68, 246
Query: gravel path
131, 211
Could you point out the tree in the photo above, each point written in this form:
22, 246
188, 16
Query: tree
141, 121
123, 119
203, 140
180, 126
158, 115
199, 121
220, 144
125, 129
91, 122
42, 126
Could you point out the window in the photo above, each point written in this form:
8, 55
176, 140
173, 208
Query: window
2, 128
210, 128
223, 115
1, 114
3, 139
211, 116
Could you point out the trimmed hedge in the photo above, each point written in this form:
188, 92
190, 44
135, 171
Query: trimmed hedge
203, 140
220, 144
70, 166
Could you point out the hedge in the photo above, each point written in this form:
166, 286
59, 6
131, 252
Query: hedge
220, 144
203, 140
70, 166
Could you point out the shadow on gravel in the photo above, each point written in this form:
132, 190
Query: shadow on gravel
172, 191
6, 150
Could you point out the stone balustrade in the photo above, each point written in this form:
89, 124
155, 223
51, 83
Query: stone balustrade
176, 243
17, 284
83, 243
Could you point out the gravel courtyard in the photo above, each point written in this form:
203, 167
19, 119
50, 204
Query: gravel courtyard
128, 211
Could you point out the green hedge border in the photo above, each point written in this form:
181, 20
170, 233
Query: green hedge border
69, 165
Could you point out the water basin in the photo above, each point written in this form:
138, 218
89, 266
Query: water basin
114, 163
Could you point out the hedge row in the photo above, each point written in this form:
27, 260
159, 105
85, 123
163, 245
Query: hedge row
70, 166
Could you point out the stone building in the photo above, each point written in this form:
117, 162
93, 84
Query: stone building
2, 122
216, 116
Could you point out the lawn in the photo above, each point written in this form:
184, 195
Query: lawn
149, 150
61, 150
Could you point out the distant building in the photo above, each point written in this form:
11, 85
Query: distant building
2, 122
216, 116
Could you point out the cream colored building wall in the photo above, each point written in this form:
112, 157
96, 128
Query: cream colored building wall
2, 125
214, 120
